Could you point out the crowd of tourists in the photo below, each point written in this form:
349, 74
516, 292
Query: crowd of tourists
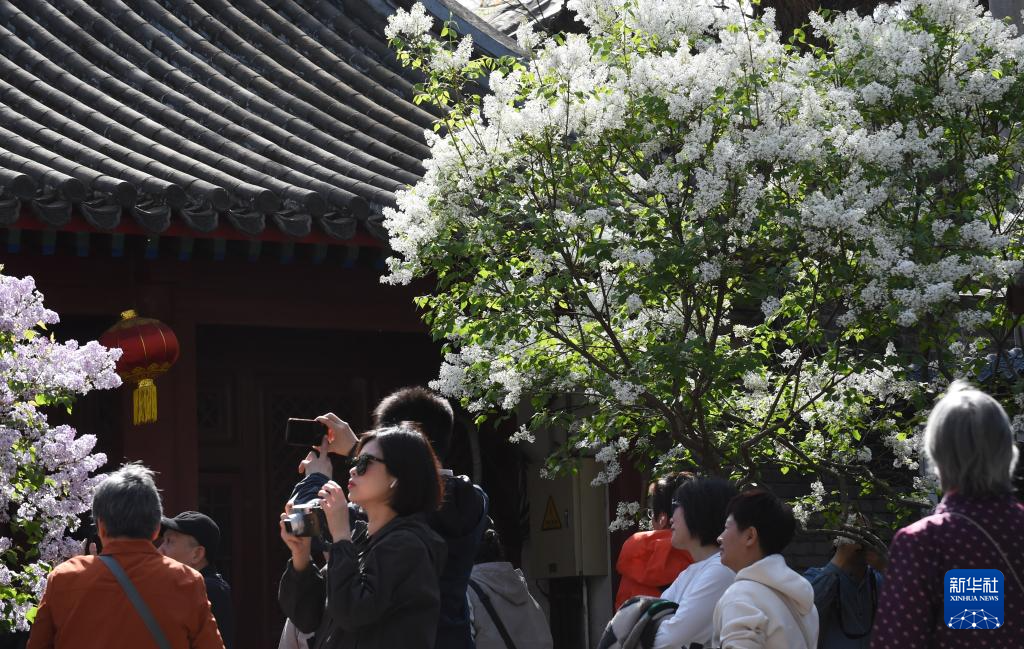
397, 552
716, 554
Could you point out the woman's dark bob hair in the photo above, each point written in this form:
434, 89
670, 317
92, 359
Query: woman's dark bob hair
705, 501
410, 458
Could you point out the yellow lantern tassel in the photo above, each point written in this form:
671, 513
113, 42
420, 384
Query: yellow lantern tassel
144, 401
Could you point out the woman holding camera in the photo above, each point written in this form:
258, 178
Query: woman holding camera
380, 586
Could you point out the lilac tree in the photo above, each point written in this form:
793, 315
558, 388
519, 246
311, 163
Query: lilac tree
45, 471
732, 249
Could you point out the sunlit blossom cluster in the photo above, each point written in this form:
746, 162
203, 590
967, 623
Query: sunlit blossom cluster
706, 234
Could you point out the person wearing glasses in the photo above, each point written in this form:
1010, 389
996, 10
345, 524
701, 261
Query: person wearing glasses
379, 589
698, 517
461, 518
648, 563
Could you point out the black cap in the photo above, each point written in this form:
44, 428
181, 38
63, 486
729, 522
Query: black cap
199, 526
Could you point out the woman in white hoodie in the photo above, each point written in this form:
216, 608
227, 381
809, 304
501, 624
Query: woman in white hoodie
768, 606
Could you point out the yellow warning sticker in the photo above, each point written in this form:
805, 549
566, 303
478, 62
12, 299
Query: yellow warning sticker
552, 521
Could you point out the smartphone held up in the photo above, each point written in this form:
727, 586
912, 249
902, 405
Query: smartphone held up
304, 432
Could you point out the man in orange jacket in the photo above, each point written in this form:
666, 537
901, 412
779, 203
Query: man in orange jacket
86, 606
647, 562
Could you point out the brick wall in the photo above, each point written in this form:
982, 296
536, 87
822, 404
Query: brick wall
808, 550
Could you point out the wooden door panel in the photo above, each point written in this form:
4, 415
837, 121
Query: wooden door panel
249, 381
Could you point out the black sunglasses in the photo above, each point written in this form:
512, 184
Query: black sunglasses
362, 463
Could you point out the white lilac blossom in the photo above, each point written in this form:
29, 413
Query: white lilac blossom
526, 37
905, 449
413, 24
40, 514
770, 305
709, 271
928, 484
626, 392
609, 457
625, 516
802, 514
810, 505
634, 303
755, 382
523, 434
474, 363
677, 206
450, 61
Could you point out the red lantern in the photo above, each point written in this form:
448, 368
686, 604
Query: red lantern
149, 348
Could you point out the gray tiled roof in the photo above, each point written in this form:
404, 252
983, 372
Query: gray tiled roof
287, 114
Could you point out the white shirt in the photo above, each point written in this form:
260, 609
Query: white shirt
696, 590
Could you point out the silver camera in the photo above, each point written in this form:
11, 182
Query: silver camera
306, 520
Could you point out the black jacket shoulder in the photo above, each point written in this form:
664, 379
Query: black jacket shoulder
219, 593
377, 592
463, 507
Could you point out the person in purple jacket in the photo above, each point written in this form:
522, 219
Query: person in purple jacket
979, 524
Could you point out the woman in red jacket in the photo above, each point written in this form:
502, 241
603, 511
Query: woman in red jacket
648, 564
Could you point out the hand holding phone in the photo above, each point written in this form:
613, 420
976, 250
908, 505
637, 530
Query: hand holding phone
342, 439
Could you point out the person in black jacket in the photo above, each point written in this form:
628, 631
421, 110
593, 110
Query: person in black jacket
192, 538
379, 589
462, 518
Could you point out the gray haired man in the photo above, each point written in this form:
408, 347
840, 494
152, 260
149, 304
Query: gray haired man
130, 595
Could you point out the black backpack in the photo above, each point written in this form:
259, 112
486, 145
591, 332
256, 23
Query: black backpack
636, 622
